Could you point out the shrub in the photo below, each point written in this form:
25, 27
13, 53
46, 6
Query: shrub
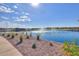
26, 33
38, 37
8, 35
3, 34
16, 34
12, 36
66, 46
51, 44
21, 40
30, 34
34, 46
27, 37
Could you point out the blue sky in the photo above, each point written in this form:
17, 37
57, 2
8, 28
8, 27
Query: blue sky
44, 15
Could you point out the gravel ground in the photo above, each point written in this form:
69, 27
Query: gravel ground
43, 48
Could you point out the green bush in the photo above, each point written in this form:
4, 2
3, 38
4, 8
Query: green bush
66, 46
72, 48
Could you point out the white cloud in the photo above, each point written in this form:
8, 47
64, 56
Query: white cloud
7, 24
3, 17
25, 13
23, 18
6, 9
15, 6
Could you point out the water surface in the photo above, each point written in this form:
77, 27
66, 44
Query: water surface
59, 36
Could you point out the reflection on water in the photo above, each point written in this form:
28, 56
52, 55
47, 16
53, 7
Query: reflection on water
58, 36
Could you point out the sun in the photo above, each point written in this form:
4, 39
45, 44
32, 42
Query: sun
35, 4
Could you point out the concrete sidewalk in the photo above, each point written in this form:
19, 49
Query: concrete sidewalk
6, 48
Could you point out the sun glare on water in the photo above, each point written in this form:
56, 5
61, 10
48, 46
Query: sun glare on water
40, 31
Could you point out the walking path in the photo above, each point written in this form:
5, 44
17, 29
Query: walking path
7, 49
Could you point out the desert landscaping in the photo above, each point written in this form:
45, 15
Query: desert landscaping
29, 45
